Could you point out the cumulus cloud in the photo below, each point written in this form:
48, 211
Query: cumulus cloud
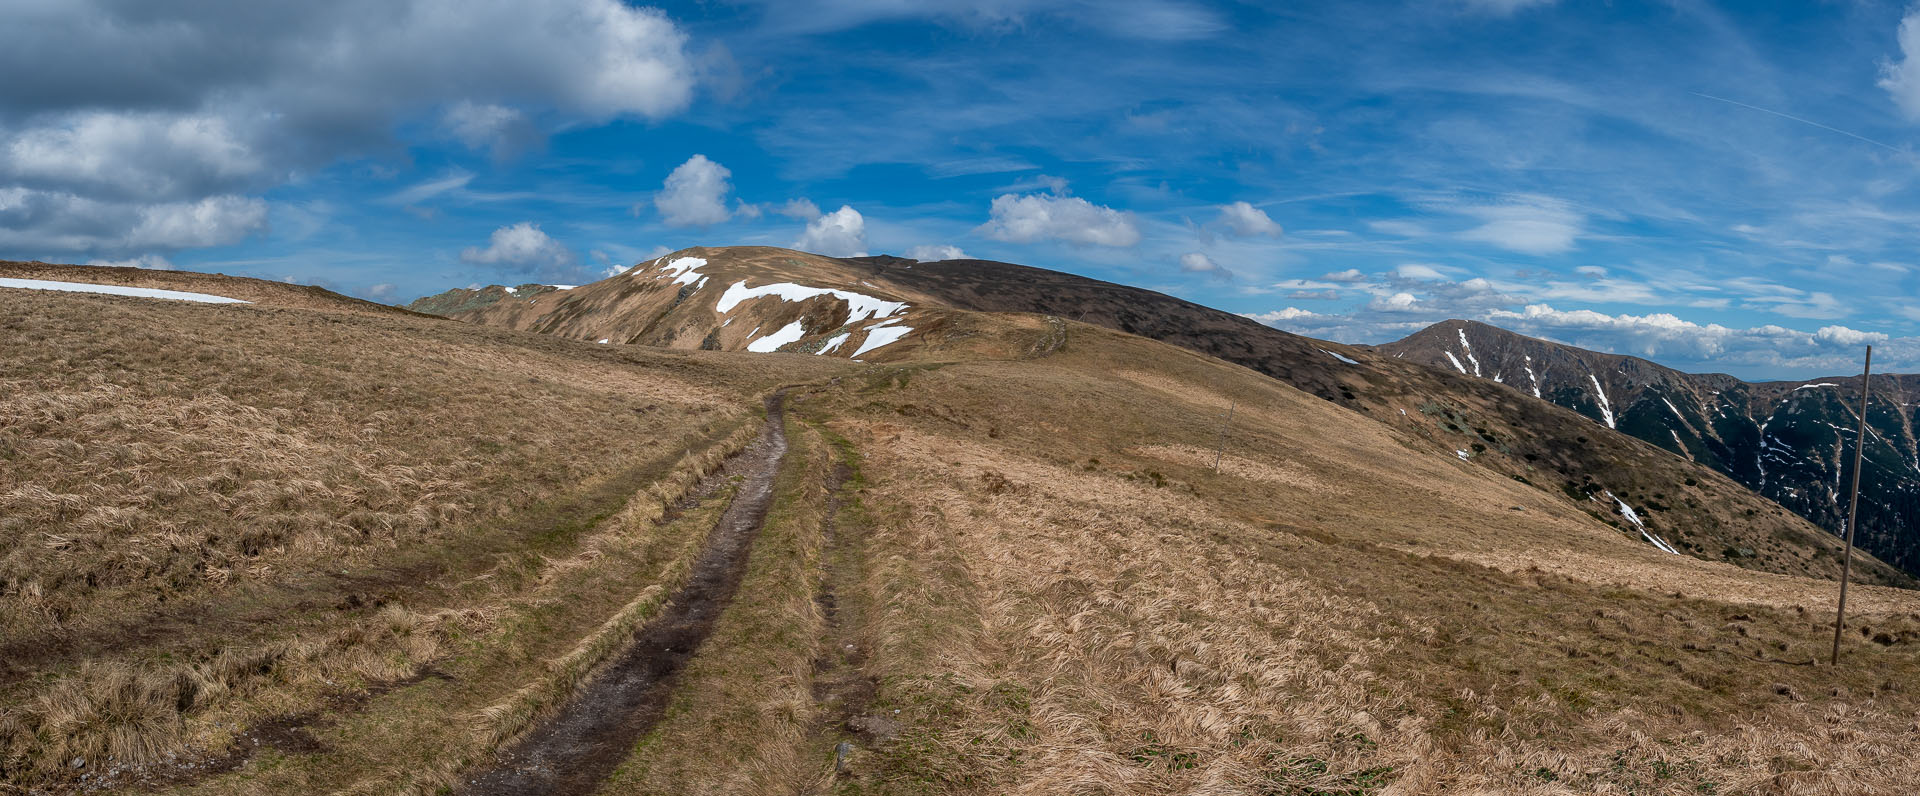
137, 110
1418, 271
522, 245
1901, 77
841, 233
1280, 315
1200, 263
1525, 224
695, 194
1247, 221
1845, 337
1775, 351
488, 126
803, 209
1349, 276
935, 253
1397, 302
1037, 217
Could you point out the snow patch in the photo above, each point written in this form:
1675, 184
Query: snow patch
1456, 362
884, 334
1606, 408
859, 307
1463, 454
1676, 409
1628, 512
118, 290
834, 343
771, 343
1338, 357
1467, 348
1811, 386
1532, 378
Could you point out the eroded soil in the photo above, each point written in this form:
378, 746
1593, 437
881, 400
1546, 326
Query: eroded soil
575, 750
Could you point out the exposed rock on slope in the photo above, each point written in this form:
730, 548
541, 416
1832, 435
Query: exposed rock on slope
1788, 440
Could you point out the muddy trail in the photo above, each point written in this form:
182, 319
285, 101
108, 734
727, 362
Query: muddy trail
575, 750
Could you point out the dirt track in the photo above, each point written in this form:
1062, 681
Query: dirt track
575, 750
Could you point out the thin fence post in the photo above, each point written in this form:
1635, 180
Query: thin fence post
1220, 447
1853, 510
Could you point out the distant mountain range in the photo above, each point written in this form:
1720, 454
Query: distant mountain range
1790, 441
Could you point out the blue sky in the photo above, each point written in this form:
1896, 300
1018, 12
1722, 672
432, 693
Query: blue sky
1726, 187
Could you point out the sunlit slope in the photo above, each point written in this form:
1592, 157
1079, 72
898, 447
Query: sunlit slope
211, 514
1063, 593
740, 298
256, 291
758, 298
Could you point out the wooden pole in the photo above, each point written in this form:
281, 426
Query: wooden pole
1220, 447
1853, 509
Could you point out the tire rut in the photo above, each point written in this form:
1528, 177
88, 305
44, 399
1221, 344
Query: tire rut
574, 751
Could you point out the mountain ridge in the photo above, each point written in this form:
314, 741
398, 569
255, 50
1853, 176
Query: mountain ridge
1786, 440
1669, 502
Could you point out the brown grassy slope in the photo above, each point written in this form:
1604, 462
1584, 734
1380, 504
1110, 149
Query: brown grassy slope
1701, 511
258, 291
1063, 597
195, 498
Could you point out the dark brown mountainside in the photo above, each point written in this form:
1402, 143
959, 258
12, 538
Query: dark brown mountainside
1791, 441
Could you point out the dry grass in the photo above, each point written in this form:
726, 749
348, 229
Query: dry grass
1052, 587
216, 513
742, 711
1066, 599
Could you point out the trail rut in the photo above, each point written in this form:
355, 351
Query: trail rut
573, 752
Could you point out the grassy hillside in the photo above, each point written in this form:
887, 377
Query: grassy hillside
1004, 562
215, 512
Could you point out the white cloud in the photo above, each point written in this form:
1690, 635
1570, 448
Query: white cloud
1420, 271
695, 194
1248, 221
138, 111
1398, 302
1593, 271
421, 192
934, 253
1525, 224
152, 156
841, 233
1901, 78
489, 126
152, 262
1277, 316
1200, 263
1036, 217
1845, 337
803, 209
1348, 276
522, 245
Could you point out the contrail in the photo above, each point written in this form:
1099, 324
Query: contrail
1800, 120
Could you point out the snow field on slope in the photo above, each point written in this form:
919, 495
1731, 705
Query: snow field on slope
118, 290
